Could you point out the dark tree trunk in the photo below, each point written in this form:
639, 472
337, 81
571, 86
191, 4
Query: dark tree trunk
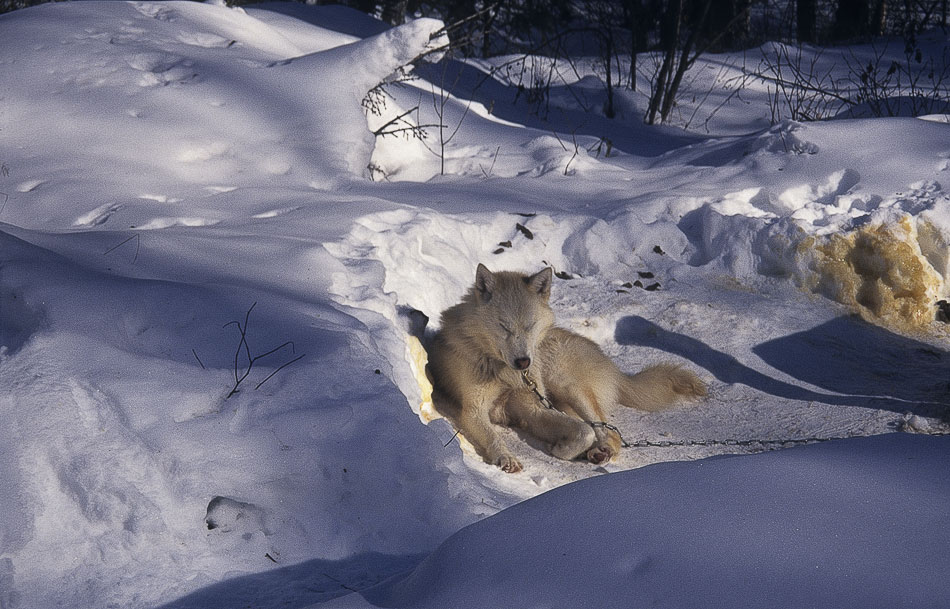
727, 23
806, 21
852, 20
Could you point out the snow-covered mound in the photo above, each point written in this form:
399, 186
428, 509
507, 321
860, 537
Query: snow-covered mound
855, 523
209, 263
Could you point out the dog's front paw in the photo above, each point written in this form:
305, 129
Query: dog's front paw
599, 455
508, 464
607, 445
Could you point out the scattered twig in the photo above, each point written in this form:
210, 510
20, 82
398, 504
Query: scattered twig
375, 170
487, 174
604, 144
408, 129
244, 347
279, 368
573, 156
445, 30
439, 103
4, 172
340, 583
195, 353
566, 149
374, 102
138, 244
455, 435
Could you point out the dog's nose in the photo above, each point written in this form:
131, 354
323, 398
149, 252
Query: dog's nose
522, 363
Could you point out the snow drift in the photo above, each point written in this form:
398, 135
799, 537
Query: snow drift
835, 525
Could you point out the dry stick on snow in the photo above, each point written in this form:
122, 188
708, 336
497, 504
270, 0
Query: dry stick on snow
494, 158
279, 368
453, 27
439, 102
566, 149
251, 359
138, 244
408, 129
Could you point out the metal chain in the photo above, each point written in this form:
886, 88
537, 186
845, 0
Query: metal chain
533, 386
730, 442
758, 441
547, 404
613, 428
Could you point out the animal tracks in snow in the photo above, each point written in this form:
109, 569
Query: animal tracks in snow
273, 213
197, 153
824, 195
205, 40
98, 216
812, 203
821, 204
160, 69
29, 185
155, 10
160, 223
104, 213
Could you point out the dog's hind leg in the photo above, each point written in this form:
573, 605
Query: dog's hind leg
585, 404
567, 437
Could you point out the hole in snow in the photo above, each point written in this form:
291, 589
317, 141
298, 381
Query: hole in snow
19, 320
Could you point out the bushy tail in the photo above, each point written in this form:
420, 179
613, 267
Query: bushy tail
659, 387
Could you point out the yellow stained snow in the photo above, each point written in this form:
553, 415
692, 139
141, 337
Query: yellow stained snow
417, 361
879, 271
418, 358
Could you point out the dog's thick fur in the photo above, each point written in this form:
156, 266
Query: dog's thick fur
504, 326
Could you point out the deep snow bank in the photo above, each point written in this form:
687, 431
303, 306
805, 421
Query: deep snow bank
184, 102
156, 161
856, 523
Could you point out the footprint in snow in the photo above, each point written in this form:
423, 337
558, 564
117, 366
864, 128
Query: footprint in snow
217, 190
160, 223
159, 198
160, 69
29, 185
98, 216
205, 40
153, 62
198, 153
273, 213
155, 10
226, 515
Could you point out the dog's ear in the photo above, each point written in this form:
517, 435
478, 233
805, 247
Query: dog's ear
484, 282
540, 282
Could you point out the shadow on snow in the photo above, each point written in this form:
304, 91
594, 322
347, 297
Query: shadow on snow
300, 585
857, 363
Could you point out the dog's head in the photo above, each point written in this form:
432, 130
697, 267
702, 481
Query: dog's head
514, 310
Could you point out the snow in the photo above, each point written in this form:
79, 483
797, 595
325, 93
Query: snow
186, 186
711, 533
